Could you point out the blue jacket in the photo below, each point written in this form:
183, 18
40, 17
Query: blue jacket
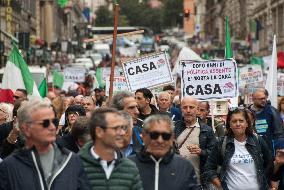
257, 148
207, 140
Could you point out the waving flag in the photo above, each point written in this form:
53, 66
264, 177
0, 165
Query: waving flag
17, 75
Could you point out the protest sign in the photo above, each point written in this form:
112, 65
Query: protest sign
250, 74
74, 74
119, 84
147, 72
280, 84
214, 79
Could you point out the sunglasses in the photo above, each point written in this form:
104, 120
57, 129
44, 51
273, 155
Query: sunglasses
16, 97
47, 122
155, 135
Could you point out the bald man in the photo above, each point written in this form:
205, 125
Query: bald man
268, 121
194, 138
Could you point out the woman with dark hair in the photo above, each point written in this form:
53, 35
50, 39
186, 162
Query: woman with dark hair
244, 158
71, 115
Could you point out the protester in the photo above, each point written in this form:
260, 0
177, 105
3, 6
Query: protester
194, 138
51, 95
89, 104
159, 166
131, 144
78, 99
78, 137
126, 101
244, 157
105, 167
20, 95
6, 113
281, 108
143, 98
98, 96
164, 104
203, 114
72, 113
278, 172
268, 122
67, 101
41, 164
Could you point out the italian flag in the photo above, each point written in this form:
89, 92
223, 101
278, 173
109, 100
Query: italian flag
17, 75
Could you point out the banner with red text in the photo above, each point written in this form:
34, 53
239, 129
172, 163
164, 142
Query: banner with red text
214, 79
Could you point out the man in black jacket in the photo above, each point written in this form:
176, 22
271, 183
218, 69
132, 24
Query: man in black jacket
194, 138
41, 164
159, 166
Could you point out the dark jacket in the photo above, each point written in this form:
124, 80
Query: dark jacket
124, 176
154, 110
207, 140
279, 176
175, 172
23, 171
68, 142
256, 147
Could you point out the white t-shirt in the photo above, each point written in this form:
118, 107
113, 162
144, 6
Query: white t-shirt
241, 170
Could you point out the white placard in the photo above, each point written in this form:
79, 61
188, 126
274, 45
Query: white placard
214, 79
250, 74
107, 70
148, 72
74, 74
119, 84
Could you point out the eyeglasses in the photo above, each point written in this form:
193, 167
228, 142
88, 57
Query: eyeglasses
119, 128
47, 122
155, 135
73, 113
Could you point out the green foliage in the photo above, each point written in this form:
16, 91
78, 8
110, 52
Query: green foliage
104, 17
172, 13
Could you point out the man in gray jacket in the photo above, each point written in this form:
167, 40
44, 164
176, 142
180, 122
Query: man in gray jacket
160, 168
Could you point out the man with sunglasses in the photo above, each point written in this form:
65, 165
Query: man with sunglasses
159, 166
194, 138
103, 163
41, 164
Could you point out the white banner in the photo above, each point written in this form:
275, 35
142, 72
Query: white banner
119, 84
147, 72
74, 74
214, 79
107, 70
250, 74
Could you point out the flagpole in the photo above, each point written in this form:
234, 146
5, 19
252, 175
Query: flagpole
116, 14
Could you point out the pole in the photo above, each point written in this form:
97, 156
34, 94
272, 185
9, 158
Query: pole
111, 37
116, 14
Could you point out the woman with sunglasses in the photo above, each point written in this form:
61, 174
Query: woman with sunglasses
244, 157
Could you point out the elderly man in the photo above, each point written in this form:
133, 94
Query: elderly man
159, 166
41, 164
268, 122
194, 138
105, 167
164, 104
89, 104
126, 101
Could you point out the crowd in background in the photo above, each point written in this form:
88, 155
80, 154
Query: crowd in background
83, 140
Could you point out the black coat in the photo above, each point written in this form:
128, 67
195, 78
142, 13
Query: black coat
207, 140
175, 172
23, 171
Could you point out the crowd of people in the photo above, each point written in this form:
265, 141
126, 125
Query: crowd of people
130, 141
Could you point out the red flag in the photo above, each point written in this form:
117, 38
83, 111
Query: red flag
6, 96
280, 58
